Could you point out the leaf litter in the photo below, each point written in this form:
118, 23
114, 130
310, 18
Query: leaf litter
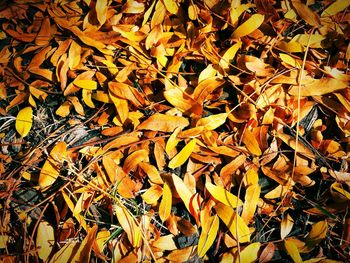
173, 131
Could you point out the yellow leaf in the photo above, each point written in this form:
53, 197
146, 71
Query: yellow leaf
248, 26
127, 222
152, 194
3, 241
206, 87
291, 46
292, 250
166, 203
64, 109
112, 68
317, 87
51, 168
84, 251
45, 240
335, 8
85, 84
185, 195
223, 196
313, 41
164, 123
151, 172
74, 55
101, 8
172, 141
252, 195
101, 238
24, 121
208, 235
183, 155
234, 222
66, 253
87, 98
286, 225
306, 13
229, 55
289, 60
251, 143
249, 254
317, 234
208, 72
171, 6
277, 192
213, 121
340, 189
165, 243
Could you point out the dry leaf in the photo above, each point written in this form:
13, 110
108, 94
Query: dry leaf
24, 121
209, 231
286, 225
166, 203
164, 123
183, 155
253, 23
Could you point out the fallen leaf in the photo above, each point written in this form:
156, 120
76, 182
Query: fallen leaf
166, 203
209, 232
183, 155
24, 121
127, 222
293, 251
253, 23
286, 226
45, 240
223, 196
164, 123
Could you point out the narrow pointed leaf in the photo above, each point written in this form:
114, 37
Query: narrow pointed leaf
166, 203
183, 155
208, 235
223, 196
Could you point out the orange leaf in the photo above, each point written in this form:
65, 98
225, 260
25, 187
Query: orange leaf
318, 87
251, 142
206, 87
84, 251
306, 13
164, 123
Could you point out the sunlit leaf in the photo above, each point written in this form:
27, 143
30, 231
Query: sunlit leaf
234, 222
252, 195
183, 155
223, 196
166, 203
251, 143
253, 23
213, 121
306, 13
86, 84
24, 121
208, 235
